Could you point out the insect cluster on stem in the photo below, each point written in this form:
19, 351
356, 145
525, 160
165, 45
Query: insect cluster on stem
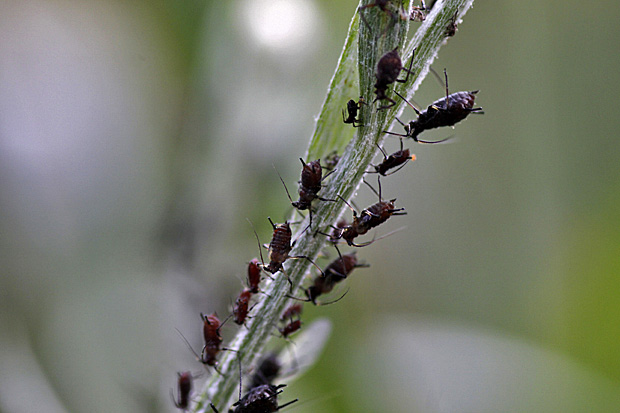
264, 389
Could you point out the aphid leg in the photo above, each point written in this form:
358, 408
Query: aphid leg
407, 70
350, 207
445, 73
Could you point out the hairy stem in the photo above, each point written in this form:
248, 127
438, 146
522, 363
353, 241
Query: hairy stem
354, 77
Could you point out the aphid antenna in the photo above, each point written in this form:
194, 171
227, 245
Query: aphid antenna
335, 301
416, 110
374, 190
189, 345
285, 188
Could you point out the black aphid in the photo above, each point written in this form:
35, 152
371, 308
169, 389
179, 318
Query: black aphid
351, 113
396, 160
260, 399
309, 186
452, 26
388, 70
267, 371
446, 111
369, 218
335, 272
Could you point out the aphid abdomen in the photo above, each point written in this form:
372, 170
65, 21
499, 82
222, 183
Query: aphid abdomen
279, 247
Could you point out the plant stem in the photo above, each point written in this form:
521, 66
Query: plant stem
383, 34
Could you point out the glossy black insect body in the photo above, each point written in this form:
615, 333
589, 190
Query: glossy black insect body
446, 111
185, 388
260, 399
351, 115
335, 272
396, 160
388, 70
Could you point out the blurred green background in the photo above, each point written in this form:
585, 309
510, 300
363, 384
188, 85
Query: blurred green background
136, 137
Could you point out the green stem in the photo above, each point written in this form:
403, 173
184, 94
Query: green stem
383, 35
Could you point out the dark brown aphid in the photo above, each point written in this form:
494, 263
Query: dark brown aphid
280, 248
383, 6
332, 160
418, 13
309, 186
369, 218
396, 160
213, 340
388, 69
260, 399
254, 275
242, 307
336, 271
452, 27
351, 115
185, 388
446, 111
290, 317
294, 310
268, 369
290, 328
336, 233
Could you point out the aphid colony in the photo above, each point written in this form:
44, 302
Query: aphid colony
262, 393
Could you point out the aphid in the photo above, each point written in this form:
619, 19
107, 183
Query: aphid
396, 160
352, 108
336, 271
446, 111
369, 218
254, 275
241, 308
280, 248
294, 310
268, 370
260, 399
290, 328
452, 26
417, 12
290, 317
211, 334
388, 69
185, 388
331, 160
309, 186
382, 5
